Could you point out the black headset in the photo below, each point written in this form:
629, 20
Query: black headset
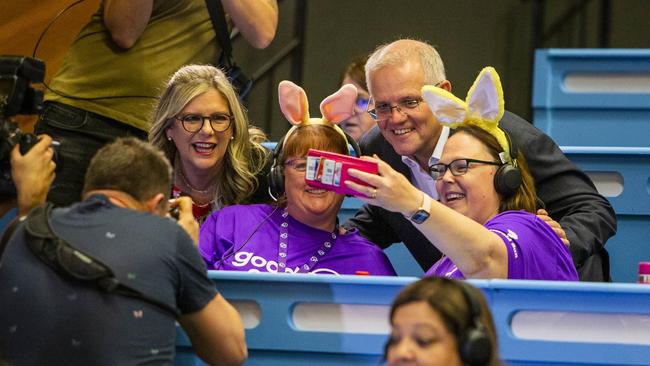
474, 346
276, 175
508, 177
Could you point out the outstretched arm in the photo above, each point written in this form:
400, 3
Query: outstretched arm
126, 20
476, 251
257, 20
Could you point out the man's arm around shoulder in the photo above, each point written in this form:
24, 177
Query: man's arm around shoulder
217, 333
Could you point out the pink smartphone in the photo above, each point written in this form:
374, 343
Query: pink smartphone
329, 170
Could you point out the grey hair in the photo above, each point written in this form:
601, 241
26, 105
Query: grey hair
395, 53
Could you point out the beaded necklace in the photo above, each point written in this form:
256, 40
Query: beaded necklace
311, 262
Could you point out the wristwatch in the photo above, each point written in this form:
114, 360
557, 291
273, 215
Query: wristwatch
422, 213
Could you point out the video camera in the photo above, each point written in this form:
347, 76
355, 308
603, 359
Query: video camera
17, 96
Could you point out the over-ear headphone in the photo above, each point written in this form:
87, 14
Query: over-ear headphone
474, 346
508, 177
276, 175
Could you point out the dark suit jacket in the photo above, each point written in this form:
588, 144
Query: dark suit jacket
569, 195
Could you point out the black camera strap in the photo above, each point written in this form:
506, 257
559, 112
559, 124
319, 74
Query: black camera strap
74, 264
218, 18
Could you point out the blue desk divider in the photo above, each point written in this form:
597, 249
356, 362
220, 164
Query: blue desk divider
275, 339
629, 168
593, 97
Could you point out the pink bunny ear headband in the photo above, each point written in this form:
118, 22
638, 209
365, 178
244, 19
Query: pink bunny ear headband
335, 109
483, 107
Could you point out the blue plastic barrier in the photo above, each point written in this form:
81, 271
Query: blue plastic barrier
311, 320
593, 97
623, 176
595, 104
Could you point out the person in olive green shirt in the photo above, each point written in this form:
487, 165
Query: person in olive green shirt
116, 67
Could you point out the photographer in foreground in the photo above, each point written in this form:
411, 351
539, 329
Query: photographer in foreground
155, 274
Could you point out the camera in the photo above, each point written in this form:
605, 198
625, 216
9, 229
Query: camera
17, 96
240, 82
175, 212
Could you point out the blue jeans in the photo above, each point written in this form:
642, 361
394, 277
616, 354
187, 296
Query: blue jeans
80, 134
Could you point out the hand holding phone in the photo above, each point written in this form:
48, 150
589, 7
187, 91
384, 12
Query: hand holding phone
328, 170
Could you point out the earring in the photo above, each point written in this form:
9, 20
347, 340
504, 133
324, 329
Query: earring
169, 138
232, 137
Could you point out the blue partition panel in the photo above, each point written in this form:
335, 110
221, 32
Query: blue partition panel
593, 97
623, 176
567, 301
276, 341
597, 324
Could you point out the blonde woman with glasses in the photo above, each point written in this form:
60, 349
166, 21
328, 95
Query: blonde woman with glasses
204, 131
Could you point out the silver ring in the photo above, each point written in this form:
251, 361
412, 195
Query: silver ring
374, 193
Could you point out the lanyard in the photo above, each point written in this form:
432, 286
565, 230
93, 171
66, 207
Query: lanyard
284, 239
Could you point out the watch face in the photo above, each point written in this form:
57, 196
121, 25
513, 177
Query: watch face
419, 216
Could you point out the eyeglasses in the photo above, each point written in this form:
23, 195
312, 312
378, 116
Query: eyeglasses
362, 103
193, 123
299, 164
457, 167
384, 111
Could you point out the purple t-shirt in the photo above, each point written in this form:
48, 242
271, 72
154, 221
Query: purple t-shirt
247, 238
535, 251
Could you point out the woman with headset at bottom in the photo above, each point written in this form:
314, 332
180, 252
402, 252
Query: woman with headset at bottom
438, 321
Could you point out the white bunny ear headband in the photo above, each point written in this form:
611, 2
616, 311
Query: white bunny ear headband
335, 109
483, 107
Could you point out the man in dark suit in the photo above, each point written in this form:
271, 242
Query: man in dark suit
411, 140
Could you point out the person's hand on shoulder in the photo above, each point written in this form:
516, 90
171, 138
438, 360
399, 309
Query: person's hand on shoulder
542, 214
33, 174
186, 218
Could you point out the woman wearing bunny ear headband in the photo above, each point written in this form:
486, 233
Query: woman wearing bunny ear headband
203, 129
300, 233
484, 223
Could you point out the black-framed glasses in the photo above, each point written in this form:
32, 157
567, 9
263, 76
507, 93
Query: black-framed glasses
384, 111
299, 164
457, 167
193, 123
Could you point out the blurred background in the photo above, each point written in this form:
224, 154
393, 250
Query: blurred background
317, 38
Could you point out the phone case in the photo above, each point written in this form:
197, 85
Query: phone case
329, 170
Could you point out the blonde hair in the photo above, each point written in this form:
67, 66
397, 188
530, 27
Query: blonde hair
398, 52
245, 156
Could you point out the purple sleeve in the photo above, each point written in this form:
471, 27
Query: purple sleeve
212, 245
535, 251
